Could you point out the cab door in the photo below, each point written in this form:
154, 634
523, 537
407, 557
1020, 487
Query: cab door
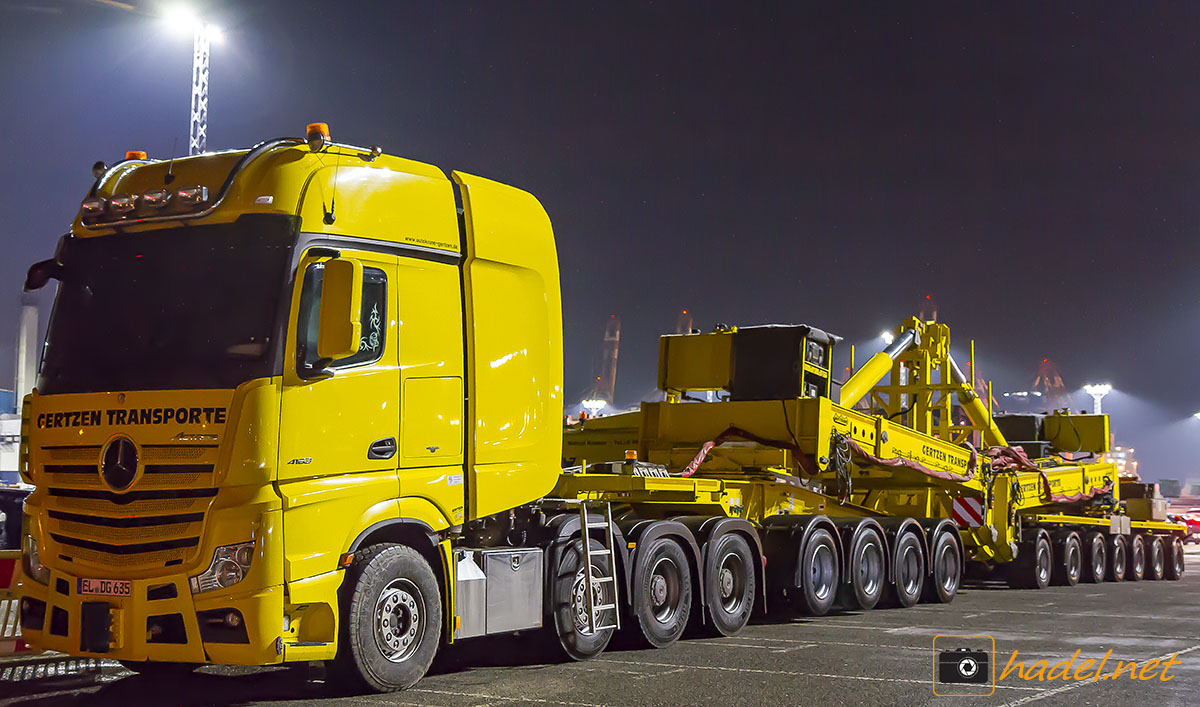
339, 426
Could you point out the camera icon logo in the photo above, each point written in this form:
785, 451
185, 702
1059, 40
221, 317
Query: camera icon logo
963, 665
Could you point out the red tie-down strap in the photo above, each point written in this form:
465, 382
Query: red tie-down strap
806, 465
1016, 458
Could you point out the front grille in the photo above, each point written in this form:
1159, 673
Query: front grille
157, 522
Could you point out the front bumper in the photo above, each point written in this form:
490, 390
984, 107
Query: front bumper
161, 621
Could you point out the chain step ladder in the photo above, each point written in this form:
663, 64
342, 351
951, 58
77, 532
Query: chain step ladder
586, 526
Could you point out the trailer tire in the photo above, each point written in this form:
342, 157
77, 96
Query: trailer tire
945, 572
1156, 558
390, 598
1068, 564
568, 603
1032, 568
908, 570
730, 585
818, 574
1095, 558
1118, 558
1175, 559
867, 562
1136, 567
662, 591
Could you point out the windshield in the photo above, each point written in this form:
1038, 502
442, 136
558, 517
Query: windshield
186, 307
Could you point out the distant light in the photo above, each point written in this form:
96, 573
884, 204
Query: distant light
888, 337
1196, 415
1098, 389
594, 405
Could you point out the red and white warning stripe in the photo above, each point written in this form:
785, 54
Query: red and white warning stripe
968, 512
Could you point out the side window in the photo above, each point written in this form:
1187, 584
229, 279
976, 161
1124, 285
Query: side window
374, 314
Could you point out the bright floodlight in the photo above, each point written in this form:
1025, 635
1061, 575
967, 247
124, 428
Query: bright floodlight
181, 19
1097, 391
593, 405
888, 337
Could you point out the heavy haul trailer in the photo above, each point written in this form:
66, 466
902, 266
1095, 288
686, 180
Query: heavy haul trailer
303, 402
923, 456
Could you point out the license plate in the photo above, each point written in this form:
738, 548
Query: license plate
106, 587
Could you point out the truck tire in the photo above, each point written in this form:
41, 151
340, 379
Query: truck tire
908, 569
729, 585
1175, 559
945, 572
1136, 567
662, 591
867, 562
1118, 558
391, 621
1156, 558
819, 573
1068, 561
1095, 558
569, 627
1032, 568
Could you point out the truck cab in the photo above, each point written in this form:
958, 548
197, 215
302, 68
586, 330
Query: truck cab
262, 363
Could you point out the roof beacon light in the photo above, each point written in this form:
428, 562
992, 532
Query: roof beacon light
135, 155
123, 204
193, 195
317, 135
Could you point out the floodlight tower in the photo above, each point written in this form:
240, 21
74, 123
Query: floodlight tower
203, 35
1097, 391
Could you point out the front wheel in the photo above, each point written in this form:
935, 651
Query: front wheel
392, 619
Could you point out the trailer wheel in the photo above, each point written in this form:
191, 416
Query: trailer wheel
1033, 566
1175, 559
945, 570
1095, 558
908, 566
1156, 559
1136, 568
868, 571
391, 621
1069, 561
1118, 558
662, 592
730, 586
818, 574
569, 602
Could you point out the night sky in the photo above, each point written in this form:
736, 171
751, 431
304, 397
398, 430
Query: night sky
1033, 166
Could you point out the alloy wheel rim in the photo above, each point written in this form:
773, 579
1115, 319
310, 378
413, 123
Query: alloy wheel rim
399, 620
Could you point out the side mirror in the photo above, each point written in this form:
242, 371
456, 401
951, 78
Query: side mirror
339, 329
41, 272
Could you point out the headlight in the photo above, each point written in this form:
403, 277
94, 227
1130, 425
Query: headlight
229, 565
33, 562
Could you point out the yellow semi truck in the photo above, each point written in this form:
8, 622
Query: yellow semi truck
304, 402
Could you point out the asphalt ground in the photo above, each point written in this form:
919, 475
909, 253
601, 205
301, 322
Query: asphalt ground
879, 657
